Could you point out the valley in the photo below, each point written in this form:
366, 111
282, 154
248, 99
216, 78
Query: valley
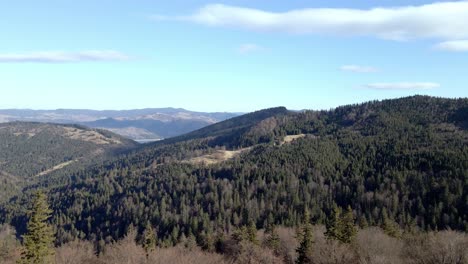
234, 132
399, 166
140, 124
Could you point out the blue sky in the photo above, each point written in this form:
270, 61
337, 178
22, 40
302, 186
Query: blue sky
228, 55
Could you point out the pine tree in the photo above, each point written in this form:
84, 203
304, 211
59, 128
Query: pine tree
38, 242
208, 241
389, 226
272, 239
334, 224
149, 239
349, 230
341, 226
252, 233
363, 223
306, 241
240, 234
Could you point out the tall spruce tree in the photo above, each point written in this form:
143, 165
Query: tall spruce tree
340, 226
389, 225
149, 239
252, 233
38, 241
272, 239
334, 224
306, 240
349, 228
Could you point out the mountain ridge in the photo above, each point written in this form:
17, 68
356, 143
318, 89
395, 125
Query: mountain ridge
141, 124
403, 159
32, 149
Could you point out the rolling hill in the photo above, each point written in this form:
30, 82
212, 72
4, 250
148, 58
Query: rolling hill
31, 150
139, 124
404, 159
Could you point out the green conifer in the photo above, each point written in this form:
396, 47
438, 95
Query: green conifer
38, 241
252, 233
149, 239
306, 240
340, 226
389, 226
349, 230
272, 239
334, 224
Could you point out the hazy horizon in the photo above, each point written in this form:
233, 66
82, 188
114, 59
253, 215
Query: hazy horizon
234, 57
214, 111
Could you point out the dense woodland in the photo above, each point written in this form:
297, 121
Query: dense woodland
396, 163
29, 149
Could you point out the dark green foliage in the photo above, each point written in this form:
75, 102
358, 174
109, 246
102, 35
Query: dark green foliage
409, 156
252, 233
246, 233
241, 131
272, 239
340, 225
39, 240
30, 148
149, 239
306, 240
335, 224
349, 228
389, 225
240, 234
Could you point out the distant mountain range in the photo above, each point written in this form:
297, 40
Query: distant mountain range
140, 124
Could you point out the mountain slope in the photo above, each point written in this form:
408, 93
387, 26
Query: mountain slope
404, 159
141, 124
159, 129
30, 150
238, 131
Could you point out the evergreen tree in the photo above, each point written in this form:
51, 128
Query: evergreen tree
240, 234
340, 226
149, 239
38, 242
389, 226
272, 239
349, 229
334, 224
306, 241
252, 233
363, 223
208, 241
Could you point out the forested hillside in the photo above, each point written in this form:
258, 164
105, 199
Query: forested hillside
30, 150
401, 161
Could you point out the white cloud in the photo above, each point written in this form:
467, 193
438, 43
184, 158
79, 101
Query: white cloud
403, 86
456, 45
64, 57
442, 20
249, 48
358, 68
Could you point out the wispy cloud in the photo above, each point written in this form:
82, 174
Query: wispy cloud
64, 57
249, 48
442, 20
403, 86
456, 45
359, 68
